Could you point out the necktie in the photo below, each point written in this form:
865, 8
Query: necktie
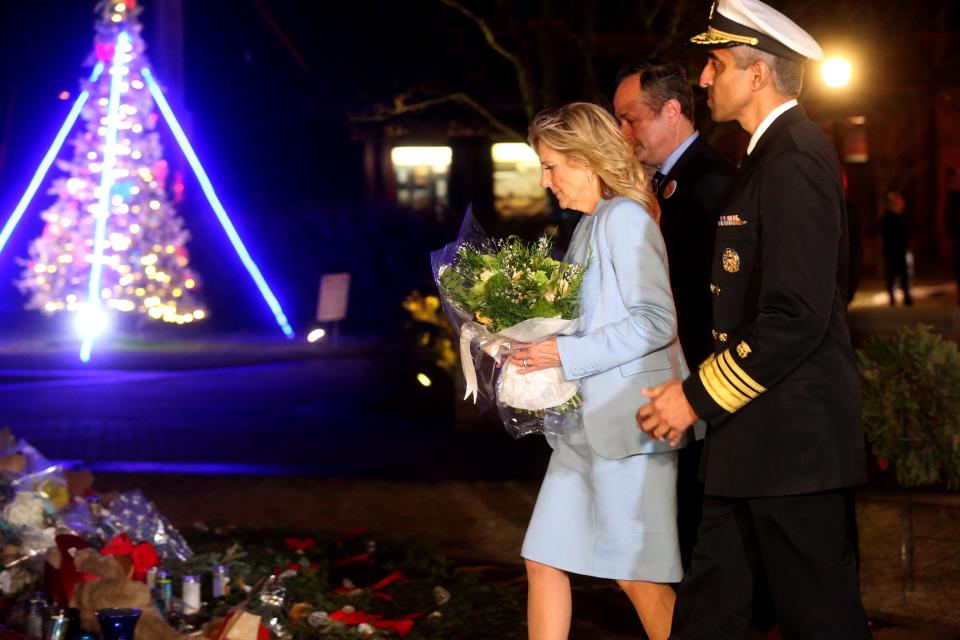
656, 181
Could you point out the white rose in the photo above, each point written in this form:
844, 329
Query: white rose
26, 510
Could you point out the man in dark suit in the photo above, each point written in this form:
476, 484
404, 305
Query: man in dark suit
780, 393
654, 104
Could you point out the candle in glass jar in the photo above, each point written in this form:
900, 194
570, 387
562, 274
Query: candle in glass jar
191, 595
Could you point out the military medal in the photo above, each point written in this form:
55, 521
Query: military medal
732, 220
731, 260
670, 189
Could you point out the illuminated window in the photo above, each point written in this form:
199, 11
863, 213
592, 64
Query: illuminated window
516, 181
422, 175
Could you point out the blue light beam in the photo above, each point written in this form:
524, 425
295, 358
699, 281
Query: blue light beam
117, 70
47, 161
218, 209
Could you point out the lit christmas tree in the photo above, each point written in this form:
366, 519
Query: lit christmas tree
115, 188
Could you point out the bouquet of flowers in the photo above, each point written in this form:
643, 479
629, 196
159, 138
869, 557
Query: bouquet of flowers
498, 292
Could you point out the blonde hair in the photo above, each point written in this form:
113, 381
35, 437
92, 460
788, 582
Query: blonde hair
585, 133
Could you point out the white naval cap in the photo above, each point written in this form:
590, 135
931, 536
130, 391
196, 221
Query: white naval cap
755, 24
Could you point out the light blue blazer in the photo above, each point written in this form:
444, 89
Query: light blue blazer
627, 336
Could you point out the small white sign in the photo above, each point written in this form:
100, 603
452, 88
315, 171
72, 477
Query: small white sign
334, 293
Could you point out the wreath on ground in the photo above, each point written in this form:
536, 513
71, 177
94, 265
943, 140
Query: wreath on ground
349, 585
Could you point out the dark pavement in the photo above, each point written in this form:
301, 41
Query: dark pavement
248, 406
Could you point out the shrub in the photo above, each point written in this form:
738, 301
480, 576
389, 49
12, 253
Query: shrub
911, 405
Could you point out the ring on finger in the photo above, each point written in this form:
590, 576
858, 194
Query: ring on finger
525, 363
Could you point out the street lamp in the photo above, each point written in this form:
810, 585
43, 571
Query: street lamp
836, 72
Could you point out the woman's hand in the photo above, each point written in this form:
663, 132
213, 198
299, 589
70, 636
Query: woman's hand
536, 356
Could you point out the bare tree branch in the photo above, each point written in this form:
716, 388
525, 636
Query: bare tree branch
651, 15
401, 108
673, 29
283, 37
526, 91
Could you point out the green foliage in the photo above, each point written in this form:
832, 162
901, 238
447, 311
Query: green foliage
478, 608
516, 282
911, 405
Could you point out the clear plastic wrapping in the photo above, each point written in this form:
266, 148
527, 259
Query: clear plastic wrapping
133, 514
499, 295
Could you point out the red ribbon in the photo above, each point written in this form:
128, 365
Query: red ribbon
120, 545
144, 558
143, 555
390, 579
363, 558
299, 544
402, 626
353, 617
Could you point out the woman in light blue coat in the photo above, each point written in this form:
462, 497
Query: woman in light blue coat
607, 506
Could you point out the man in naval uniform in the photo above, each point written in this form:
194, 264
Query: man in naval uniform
654, 104
780, 392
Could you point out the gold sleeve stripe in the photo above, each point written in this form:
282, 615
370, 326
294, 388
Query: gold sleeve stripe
719, 389
732, 378
713, 394
720, 383
728, 359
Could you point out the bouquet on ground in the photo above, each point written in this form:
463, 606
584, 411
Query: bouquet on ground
502, 292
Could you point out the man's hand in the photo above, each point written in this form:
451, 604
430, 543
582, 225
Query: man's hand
668, 415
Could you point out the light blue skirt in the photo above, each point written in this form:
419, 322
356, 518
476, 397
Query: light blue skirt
607, 518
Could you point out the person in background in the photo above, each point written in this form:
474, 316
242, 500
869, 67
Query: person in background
895, 234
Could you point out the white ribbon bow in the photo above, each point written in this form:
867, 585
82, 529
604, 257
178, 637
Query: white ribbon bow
543, 388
